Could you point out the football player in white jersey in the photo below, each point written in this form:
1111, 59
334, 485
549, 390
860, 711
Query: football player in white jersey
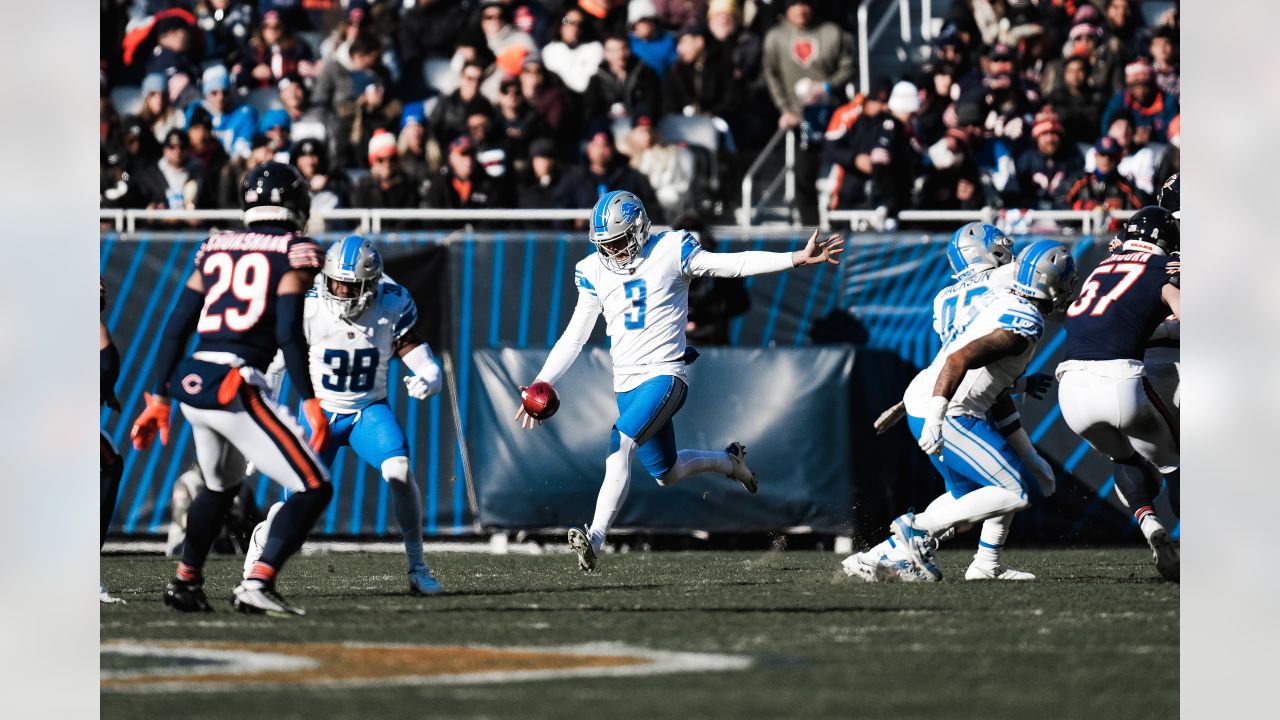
948, 405
355, 318
981, 256
641, 286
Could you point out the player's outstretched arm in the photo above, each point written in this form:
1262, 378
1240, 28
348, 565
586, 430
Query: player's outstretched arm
699, 262
566, 349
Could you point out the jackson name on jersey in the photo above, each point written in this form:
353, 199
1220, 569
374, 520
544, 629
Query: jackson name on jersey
953, 301
349, 360
980, 387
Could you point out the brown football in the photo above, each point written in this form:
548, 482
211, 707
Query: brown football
540, 400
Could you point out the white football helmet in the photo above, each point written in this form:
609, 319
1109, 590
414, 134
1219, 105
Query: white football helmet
356, 263
618, 216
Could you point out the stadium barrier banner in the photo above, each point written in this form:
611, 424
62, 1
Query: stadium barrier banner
784, 404
514, 289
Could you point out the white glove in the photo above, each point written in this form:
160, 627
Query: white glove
421, 388
1034, 462
931, 435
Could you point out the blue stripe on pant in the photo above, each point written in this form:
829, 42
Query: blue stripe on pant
974, 455
644, 415
373, 433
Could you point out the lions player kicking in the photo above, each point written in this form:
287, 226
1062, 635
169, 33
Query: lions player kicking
1105, 394
981, 256
355, 319
949, 401
244, 300
641, 285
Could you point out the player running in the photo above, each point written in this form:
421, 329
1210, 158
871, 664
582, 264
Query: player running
1103, 388
111, 465
948, 406
244, 300
981, 256
641, 286
355, 319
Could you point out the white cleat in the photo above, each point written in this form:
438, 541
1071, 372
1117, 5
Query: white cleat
1165, 554
258, 539
994, 571
860, 565
917, 546
259, 598
737, 453
422, 582
580, 543
902, 570
105, 597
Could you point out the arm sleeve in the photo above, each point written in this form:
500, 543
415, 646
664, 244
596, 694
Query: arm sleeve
182, 322
293, 343
574, 337
697, 262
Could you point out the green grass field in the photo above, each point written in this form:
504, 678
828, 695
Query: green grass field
1096, 636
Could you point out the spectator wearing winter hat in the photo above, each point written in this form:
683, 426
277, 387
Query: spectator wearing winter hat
460, 184
412, 145
208, 153
547, 99
1076, 102
649, 40
668, 168
849, 151
1150, 105
701, 81
272, 53
1164, 60
157, 113
1103, 186
491, 155
449, 118
234, 126
1045, 167
1106, 72
499, 33
386, 186
374, 109
328, 191
538, 184
895, 152
575, 53
276, 126
172, 182
172, 58
308, 120
1141, 155
518, 124
804, 62
606, 170
620, 84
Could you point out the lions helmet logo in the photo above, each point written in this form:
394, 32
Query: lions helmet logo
629, 211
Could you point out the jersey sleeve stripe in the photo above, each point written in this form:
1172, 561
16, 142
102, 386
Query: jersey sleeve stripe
581, 281
686, 249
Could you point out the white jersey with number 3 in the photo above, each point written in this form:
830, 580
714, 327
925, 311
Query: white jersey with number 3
349, 360
991, 311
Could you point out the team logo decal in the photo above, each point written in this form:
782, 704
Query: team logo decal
219, 666
804, 50
192, 383
629, 211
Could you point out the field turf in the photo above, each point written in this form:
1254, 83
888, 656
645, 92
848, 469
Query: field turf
1096, 636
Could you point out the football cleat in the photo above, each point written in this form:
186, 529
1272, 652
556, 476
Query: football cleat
256, 597
900, 570
917, 544
105, 597
861, 565
737, 453
186, 596
421, 581
580, 543
1165, 555
979, 570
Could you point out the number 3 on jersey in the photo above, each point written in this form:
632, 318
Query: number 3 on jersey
637, 294
1089, 291
247, 278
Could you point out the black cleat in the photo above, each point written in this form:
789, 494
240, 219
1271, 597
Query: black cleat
186, 596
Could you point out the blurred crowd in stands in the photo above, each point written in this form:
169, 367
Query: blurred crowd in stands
1062, 104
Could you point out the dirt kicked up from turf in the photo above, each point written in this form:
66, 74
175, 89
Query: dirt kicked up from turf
520, 636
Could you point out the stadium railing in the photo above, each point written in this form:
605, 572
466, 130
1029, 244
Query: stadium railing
371, 219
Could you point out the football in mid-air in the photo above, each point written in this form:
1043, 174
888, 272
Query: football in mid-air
540, 400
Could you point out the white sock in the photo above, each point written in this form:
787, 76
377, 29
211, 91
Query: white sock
985, 502
694, 462
994, 532
613, 492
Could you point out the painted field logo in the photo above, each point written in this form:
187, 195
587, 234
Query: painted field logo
213, 666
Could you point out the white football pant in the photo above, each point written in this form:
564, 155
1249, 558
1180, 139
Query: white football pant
1113, 406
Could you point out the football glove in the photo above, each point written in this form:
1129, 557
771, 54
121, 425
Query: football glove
153, 420
1035, 385
421, 388
931, 434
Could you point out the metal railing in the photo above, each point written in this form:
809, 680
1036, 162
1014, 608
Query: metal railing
746, 213
879, 220
370, 219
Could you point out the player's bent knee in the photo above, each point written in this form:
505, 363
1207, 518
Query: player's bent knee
396, 470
